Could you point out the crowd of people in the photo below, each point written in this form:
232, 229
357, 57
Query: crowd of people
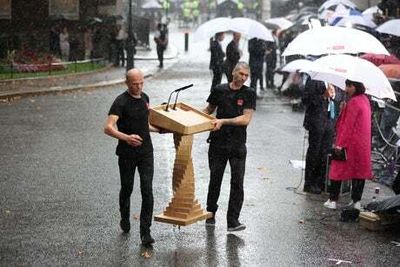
260, 52
338, 124
60, 42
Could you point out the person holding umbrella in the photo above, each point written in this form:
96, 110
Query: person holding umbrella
351, 156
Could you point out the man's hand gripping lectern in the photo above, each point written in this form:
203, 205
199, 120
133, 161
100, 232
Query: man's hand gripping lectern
183, 121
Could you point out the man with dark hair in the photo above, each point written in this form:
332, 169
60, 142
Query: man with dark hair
256, 50
235, 104
390, 8
233, 55
217, 58
128, 122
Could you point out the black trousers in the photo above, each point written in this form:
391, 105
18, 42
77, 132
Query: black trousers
217, 77
269, 77
160, 55
255, 75
229, 66
357, 188
120, 55
319, 142
145, 167
217, 160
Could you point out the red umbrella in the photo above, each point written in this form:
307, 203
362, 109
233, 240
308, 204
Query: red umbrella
392, 71
379, 59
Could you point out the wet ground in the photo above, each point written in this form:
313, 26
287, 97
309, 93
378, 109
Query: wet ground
59, 187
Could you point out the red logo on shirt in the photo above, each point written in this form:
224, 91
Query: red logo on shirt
240, 102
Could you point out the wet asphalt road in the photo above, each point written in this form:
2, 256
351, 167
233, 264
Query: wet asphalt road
59, 185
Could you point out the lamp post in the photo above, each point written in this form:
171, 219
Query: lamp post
130, 44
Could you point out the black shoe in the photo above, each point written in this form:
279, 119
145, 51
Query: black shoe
312, 189
210, 221
147, 239
125, 225
235, 228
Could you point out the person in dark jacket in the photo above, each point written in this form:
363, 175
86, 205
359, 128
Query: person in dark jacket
319, 122
270, 59
233, 55
217, 58
161, 39
256, 48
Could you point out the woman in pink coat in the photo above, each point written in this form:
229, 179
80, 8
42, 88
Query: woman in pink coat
353, 134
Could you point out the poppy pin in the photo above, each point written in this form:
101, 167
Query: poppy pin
147, 106
240, 102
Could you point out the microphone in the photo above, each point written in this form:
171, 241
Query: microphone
177, 92
183, 88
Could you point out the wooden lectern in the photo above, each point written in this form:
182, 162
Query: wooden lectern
183, 121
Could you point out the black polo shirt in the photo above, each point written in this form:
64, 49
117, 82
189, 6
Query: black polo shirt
133, 118
231, 103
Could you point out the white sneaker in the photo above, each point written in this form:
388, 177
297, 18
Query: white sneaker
330, 204
356, 205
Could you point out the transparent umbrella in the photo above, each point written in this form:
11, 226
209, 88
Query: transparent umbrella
336, 69
299, 64
248, 27
251, 29
281, 22
211, 27
334, 40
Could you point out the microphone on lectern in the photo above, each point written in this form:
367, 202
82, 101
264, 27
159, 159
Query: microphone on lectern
176, 98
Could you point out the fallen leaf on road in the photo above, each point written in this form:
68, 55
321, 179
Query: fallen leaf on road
32, 100
80, 253
135, 216
146, 254
301, 221
8, 212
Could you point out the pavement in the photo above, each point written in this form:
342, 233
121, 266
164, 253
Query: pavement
144, 59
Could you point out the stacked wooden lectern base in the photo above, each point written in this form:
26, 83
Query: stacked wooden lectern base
183, 121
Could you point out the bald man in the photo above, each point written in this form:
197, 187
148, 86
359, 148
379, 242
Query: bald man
128, 122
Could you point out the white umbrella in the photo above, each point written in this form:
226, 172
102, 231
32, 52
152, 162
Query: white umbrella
248, 27
336, 69
391, 27
334, 40
211, 27
331, 3
371, 10
340, 11
151, 5
298, 65
348, 21
251, 29
281, 22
